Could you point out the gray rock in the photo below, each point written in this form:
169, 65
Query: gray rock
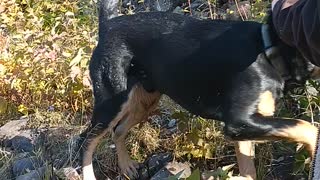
181, 170
162, 5
161, 175
153, 164
152, 5
195, 4
12, 128
33, 175
172, 123
22, 144
14, 135
178, 10
158, 161
143, 173
25, 165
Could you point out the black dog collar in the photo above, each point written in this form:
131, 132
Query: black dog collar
272, 52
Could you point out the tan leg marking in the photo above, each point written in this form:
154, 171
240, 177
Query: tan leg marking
245, 152
139, 105
88, 172
266, 106
304, 132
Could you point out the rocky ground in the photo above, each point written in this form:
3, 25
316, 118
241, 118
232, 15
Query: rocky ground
50, 153
223, 9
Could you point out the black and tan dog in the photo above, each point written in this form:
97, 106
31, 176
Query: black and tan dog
215, 69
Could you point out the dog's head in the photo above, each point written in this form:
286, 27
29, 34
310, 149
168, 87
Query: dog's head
294, 69
291, 65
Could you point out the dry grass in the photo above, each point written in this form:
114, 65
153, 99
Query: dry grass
5, 163
263, 159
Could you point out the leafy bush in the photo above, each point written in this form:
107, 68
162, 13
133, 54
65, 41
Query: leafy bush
44, 64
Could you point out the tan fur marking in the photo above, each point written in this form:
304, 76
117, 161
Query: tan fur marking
304, 132
245, 152
88, 173
137, 109
266, 106
140, 103
137, 95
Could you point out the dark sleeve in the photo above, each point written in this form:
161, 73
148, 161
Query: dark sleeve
299, 26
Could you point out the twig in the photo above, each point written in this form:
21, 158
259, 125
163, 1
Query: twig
189, 4
309, 97
239, 9
211, 14
245, 13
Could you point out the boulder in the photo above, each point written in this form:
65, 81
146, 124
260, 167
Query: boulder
25, 165
177, 169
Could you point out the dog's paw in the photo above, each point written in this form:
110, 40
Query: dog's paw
130, 169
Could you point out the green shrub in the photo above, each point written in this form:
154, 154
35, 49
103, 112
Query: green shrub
45, 63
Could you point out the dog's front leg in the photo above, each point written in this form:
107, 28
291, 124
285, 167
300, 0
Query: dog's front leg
127, 165
245, 152
139, 105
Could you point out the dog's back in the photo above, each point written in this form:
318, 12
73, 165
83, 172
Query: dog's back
161, 50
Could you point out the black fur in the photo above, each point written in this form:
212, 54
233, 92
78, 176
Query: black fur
214, 69
208, 67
